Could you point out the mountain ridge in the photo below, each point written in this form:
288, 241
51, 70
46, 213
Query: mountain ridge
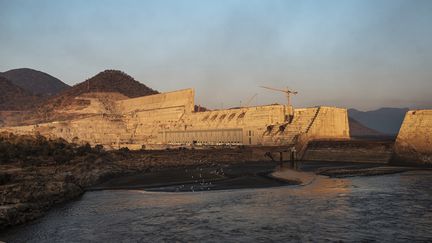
107, 81
386, 120
358, 130
35, 81
14, 97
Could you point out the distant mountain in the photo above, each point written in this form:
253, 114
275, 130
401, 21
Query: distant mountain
56, 107
384, 120
358, 130
36, 82
13, 97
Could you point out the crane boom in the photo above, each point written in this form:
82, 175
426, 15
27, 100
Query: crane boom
250, 100
287, 92
281, 90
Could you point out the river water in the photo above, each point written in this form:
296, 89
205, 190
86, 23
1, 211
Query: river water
391, 208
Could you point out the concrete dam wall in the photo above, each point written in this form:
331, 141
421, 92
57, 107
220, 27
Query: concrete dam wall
414, 141
168, 119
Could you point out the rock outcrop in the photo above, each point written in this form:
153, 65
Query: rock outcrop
28, 190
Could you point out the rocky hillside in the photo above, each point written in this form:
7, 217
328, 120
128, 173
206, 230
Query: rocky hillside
35, 82
43, 108
107, 81
13, 97
111, 81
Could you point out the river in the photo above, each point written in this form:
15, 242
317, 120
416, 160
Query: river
396, 207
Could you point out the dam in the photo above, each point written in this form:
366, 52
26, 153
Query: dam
414, 141
170, 119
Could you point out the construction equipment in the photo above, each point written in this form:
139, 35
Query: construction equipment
287, 91
250, 100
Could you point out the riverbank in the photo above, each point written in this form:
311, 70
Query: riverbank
28, 190
260, 174
388, 208
199, 178
32, 185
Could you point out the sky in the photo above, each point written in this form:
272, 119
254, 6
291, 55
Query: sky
362, 54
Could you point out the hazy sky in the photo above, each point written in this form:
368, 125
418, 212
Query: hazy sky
363, 54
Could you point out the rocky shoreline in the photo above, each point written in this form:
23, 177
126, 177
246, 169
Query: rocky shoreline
28, 190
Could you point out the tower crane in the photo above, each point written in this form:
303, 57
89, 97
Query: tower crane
250, 100
287, 92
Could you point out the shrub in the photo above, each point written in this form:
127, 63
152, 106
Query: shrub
124, 149
84, 149
99, 148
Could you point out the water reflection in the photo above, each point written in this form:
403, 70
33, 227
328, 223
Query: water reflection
311, 184
380, 208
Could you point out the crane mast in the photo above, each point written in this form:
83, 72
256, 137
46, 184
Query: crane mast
287, 92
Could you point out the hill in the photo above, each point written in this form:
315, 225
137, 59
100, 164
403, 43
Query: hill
116, 83
384, 120
35, 82
13, 97
110, 81
358, 130
106, 86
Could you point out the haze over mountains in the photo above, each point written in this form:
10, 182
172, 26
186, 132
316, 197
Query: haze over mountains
42, 94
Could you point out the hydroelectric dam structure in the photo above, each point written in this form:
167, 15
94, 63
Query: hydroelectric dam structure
169, 120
